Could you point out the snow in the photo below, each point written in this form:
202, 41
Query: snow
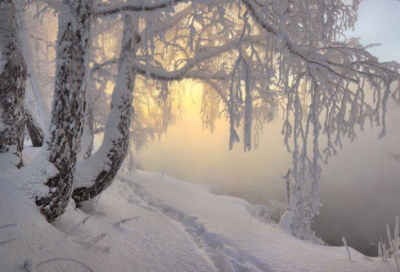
32, 176
145, 222
286, 221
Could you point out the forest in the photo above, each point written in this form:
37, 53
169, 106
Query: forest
86, 85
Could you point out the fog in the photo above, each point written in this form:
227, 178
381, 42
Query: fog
360, 187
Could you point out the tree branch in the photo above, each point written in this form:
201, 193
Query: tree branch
135, 7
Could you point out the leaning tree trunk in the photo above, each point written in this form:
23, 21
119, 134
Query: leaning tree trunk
34, 127
64, 135
12, 85
96, 173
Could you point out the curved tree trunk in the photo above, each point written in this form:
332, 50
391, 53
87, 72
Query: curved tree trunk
35, 130
96, 173
64, 136
12, 85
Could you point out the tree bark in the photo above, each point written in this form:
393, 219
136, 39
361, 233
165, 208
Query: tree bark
96, 173
35, 130
12, 85
64, 136
88, 133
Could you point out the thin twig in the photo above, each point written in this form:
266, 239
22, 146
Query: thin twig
65, 259
123, 221
103, 248
345, 244
80, 223
96, 239
9, 225
4, 242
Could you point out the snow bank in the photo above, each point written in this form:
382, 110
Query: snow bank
149, 222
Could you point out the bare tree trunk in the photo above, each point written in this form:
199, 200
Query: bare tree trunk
12, 85
64, 136
34, 127
96, 173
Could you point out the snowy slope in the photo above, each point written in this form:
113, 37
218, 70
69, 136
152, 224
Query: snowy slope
171, 226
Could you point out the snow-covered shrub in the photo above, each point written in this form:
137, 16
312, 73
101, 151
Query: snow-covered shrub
392, 251
270, 213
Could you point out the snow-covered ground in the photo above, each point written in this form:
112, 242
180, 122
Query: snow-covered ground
151, 222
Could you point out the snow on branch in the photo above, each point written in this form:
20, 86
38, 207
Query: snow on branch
163, 75
135, 7
309, 53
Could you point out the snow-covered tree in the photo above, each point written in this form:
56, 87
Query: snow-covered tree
97, 172
64, 136
12, 85
343, 83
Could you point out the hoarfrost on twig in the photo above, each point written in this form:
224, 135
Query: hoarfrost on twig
347, 248
123, 221
80, 223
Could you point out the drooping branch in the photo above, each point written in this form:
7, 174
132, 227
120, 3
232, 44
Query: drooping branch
186, 71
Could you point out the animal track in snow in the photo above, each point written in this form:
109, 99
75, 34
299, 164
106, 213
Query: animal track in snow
220, 251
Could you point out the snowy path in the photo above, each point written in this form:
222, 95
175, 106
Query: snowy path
216, 248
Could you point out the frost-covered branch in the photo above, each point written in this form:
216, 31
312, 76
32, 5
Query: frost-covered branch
183, 73
139, 6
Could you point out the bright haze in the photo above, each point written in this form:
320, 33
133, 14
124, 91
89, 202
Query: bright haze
360, 187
